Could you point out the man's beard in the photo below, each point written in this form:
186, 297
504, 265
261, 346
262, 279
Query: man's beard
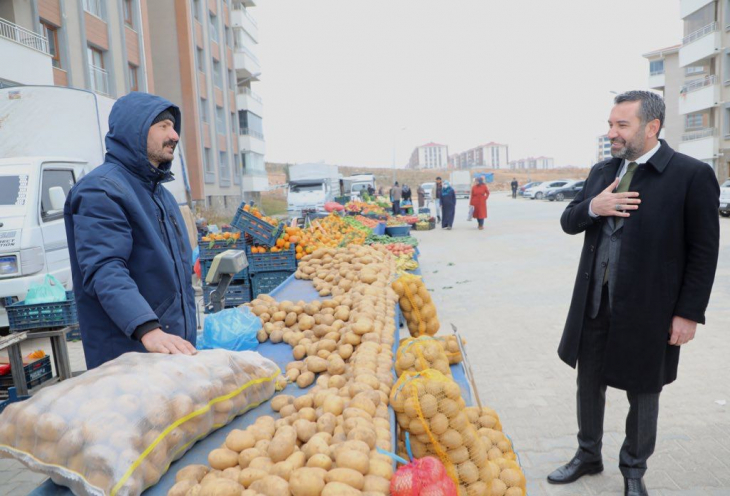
160, 156
631, 150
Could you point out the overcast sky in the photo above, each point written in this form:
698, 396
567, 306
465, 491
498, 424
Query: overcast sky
341, 78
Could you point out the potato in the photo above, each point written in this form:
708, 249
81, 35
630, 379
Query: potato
250, 475
238, 440
348, 476
305, 429
262, 462
221, 487
191, 472
306, 482
355, 460
222, 458
282, 469
320, 460
339, 489
280, 401
245, 457
334, 405
316, 364
305, 379
182, 487
271, 485
376, 484
281, 447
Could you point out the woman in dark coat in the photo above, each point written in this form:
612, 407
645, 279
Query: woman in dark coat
448, 206
421, 196
479, 195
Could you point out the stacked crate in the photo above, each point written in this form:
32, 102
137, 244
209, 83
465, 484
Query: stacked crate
239, 291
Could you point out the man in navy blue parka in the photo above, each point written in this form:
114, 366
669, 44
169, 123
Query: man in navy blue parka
130, 256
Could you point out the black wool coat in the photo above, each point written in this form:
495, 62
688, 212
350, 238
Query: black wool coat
669, 250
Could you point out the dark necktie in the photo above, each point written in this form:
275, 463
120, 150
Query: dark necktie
623, 187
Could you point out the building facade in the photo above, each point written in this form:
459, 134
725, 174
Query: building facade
490, 156
533, 163
603, 148
699, 85
429, 156
189, 55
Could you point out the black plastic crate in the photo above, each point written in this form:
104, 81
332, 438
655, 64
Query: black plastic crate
270, 262
36, 373
266, 282
22, 317
205, 268
237, 294
208, 253
262, 232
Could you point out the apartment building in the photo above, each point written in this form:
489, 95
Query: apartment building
603, 148
97, 45
535, 163
491, 156
699, 85
199, 54
429, 156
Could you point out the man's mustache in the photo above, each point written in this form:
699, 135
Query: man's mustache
171, 143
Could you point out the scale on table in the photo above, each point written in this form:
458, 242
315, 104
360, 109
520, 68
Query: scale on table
225, 265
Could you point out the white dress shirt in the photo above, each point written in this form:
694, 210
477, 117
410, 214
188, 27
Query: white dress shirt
624, 167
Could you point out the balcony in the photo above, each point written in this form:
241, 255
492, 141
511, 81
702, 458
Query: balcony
240, 18
99, 80
25, 56
248, 100
256, 181
702, 144
701, 44
246, 63
251, 141
699, 95
686, 7
656, 80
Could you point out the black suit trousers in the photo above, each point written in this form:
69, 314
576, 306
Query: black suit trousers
641, 422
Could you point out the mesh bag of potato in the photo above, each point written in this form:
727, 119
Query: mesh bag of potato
426, 476
416, 305
426, 352
429, 406
114, 430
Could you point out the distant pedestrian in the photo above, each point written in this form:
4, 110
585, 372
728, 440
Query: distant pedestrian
380, 191
371, 190
406, 193
479, 195
514, 185
448, 205
421, 196
395, 197
439, 189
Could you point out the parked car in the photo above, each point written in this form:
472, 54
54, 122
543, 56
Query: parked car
430, 189
725, 199
569, 191
538, 192
521, 189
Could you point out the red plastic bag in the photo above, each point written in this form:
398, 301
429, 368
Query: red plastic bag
197, 269
333, 206
422, 477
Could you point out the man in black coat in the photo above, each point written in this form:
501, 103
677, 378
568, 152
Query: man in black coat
650, 217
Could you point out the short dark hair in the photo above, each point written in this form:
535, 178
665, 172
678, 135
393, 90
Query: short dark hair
652, 105
438, 177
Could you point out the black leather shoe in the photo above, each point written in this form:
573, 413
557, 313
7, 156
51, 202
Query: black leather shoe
574, 470
634, 487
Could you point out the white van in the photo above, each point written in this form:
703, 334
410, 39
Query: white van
51, 137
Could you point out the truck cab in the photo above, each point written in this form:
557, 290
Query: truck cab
308, 194
32, 232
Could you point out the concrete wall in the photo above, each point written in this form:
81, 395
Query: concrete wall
24, 65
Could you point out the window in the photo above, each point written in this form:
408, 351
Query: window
656, 67
208, 160
196, 9
63, 179
98, 77
96, 57
133, 79
217, 74
237, 172
220, 120
200, 58
128, 13
225, 175
213, 27
93, 7
694, 69
51, 33
231, 79
700, 18
233, 123
204, 110
251, 124
693, 121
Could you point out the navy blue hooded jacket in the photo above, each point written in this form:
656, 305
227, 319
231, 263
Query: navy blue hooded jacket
130, 256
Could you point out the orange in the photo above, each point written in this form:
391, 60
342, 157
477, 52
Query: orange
279, 243
287, 245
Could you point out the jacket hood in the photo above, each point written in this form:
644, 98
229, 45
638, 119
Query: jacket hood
129, 124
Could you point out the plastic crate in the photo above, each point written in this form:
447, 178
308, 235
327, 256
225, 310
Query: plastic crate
206, 264
269, 262
398, 231
36, 373
431, 226
219, 247
237, 294
266, 282
74, 334
342, 200
262, 232
22, 317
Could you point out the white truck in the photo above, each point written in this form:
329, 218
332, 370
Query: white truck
358, 184
461, 183
311, 186
50, 138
